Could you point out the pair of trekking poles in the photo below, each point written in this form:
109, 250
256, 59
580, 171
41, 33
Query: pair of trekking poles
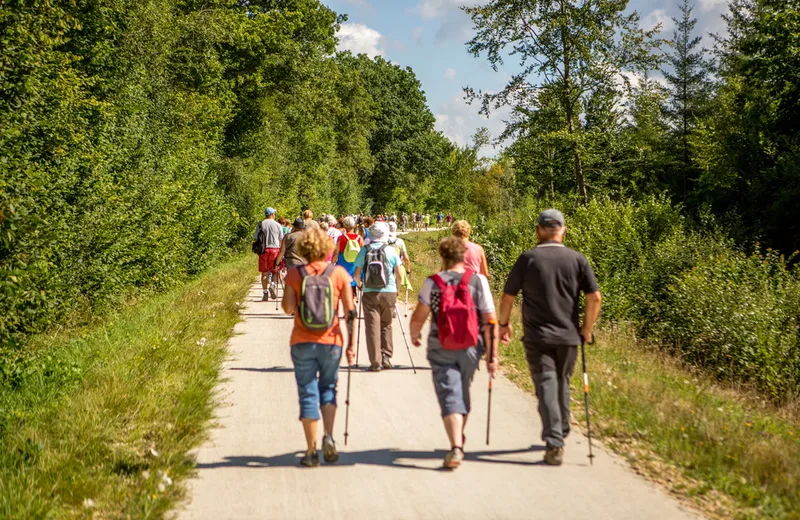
358, 352
489, 358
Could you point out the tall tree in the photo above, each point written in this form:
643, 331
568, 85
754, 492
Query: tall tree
689, 83
573, 47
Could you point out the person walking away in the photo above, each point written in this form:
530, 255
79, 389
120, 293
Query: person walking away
475, 258
334, 233
463, 315
400, 246
368, 222
313, 293
380, 264
427, 220
266, 261
350, 244
404, 222
308, 217
551, 277
449, 219
289, 251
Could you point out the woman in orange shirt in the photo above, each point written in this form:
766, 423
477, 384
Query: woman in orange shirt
317, 338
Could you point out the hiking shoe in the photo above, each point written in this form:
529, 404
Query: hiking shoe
265, 297
453, 458
554, 456
310, 460
329, 449
374, 367
273, 293
387, 364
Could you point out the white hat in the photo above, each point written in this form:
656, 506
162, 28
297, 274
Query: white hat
378, 231
392, 228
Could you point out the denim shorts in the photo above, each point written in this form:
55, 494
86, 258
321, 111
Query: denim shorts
452, 376
310, 359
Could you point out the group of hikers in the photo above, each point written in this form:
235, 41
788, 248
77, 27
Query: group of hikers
341, 264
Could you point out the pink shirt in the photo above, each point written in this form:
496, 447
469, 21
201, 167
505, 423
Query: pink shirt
472, 258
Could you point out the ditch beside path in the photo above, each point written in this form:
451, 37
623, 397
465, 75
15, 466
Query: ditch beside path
391, 466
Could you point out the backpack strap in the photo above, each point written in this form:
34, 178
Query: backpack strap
440, 283
303, 271
328, 272
465, 278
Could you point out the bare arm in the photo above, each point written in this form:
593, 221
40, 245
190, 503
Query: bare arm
484, 264
490, 337
593, 303
282, 252
289, 302
357, 277
417, 322
506, 304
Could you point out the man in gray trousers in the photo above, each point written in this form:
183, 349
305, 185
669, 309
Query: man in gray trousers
551, 277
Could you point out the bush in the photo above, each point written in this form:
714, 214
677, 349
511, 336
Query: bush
738, 315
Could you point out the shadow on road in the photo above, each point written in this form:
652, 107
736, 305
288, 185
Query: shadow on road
384, 457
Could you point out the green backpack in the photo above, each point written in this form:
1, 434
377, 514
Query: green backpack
317, 306
351, 250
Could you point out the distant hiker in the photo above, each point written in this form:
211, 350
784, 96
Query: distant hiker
350, 244
427, 220
404, 221
380, 264
289, 250
449, 219
368, 221
269, 235
462, 307
313, 293
551, 278
439, 219
475, 258
400, 246
308, 218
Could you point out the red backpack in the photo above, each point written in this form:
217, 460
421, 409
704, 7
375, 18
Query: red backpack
457, 323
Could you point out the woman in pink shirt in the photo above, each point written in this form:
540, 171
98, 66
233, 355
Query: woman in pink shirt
475, 257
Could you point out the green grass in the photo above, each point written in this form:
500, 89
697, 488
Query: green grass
726, 451
98, 422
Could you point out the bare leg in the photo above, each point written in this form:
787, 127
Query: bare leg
264, 281
328, 415
310, 430
454, 425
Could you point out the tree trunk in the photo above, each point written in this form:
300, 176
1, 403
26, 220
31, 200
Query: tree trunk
569, 106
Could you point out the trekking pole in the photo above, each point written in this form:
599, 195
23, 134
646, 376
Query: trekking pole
403, 330
347, 399
406, 315
586, 396
489, 358
277, 286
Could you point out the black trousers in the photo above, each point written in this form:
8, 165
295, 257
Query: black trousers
551, 368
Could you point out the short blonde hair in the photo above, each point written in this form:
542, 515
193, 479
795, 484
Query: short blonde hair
314, 245
461, 229
452, 250
308, 214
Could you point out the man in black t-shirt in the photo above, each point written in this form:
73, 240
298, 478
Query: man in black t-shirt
551, 278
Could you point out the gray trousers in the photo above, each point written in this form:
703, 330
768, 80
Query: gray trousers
378, 308
551, 368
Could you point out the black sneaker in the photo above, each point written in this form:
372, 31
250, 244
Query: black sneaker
310, 460
374, 367
329, 449
265, 298
554, 456
387, 364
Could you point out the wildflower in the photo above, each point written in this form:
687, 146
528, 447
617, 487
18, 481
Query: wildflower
202, 342
154, 453
88, 503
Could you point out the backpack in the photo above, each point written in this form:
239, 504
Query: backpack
457, 323
351, 249
377, 271
317, 306
260, 243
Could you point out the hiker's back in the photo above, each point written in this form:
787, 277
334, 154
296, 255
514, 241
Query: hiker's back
472, 258
292, 255
551, 277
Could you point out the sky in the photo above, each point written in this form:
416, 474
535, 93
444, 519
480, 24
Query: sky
430, 35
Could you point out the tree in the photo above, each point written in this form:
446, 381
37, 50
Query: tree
568, 46
689, 83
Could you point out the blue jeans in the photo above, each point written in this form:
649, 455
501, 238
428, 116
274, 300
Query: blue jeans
310, 359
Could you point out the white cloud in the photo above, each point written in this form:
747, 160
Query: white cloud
359, 39
436, 8
459, 121
710, 5
450, 74
419, 36
658, 16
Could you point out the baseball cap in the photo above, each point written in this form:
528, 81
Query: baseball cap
550, 218
299, 223
270, 211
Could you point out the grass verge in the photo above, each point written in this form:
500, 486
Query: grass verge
727, 452
98, 422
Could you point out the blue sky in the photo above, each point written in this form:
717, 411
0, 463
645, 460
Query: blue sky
429, 37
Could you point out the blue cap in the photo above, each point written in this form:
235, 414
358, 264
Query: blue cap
270, 211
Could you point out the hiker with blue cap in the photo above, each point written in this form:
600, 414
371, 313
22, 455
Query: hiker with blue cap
267, 245
551, 277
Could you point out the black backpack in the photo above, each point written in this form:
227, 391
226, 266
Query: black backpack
260, 243
376, 274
